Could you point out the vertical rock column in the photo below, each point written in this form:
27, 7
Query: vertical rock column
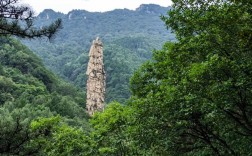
96, 78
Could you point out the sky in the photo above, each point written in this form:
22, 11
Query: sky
65, 6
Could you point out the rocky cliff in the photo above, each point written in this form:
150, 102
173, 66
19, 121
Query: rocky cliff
96, 78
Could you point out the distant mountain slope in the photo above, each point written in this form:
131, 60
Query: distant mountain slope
25, 80
129, 36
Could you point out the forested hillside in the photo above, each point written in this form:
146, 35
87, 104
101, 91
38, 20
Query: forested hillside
129, 36
29, 93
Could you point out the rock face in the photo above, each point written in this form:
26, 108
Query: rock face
96, 78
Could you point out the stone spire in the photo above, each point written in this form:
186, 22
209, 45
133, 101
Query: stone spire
96, 78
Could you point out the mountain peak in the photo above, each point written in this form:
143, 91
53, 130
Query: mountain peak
50, 14
151, 9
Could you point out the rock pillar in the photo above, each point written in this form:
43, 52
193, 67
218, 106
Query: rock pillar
96, 78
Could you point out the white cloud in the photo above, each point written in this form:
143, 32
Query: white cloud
90, 5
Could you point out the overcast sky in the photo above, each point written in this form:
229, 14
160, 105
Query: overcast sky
90, 5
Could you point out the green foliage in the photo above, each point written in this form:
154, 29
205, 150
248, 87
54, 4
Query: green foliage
110, 131
28, 92
194, 97
15, 135
17, 56
61, 139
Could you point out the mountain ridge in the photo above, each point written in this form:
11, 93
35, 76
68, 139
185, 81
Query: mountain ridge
149, 8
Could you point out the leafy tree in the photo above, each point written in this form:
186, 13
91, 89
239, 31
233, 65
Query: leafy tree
60, 139
16, 136
17, 20
194, 98
111, 132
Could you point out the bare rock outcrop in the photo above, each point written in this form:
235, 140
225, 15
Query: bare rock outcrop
96, 78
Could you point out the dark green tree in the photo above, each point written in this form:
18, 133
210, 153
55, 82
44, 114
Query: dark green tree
194, 98
110, 131
15, 136
57, 138
17, 20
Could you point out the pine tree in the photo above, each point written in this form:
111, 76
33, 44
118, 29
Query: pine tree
17, 20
